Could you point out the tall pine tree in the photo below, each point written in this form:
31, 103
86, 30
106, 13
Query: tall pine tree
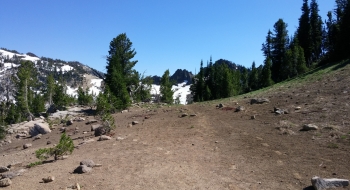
304, 31
316, 32
165, 88
120, 69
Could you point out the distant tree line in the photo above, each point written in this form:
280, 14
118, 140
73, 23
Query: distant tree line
313, 44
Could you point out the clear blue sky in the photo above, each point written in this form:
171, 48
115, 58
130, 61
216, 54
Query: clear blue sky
167, 34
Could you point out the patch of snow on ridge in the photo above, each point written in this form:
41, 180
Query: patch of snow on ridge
180, 90
96, 86
24, 56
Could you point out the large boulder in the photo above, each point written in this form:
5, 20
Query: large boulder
39, 128
100, 131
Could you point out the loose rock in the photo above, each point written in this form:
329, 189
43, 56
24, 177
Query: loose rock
4, 169
100, 131
104, 137
184, 114
5, 182
323, 183
48, 179
259, 100
240, 108
135, 122
88, 163
27, 145
308, 127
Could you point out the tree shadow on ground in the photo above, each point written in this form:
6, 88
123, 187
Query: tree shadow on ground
309, 188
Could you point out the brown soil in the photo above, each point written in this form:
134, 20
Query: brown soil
215, 149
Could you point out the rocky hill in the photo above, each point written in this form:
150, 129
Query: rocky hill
74, 73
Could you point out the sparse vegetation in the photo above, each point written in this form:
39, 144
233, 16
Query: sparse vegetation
333, 145
34, 164
64, 147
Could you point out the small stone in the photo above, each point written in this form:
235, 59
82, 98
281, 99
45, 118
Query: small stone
147, 117
308, 127
125, 111
5, 182
252, 117
91, 121
297, 108
48, 179
184, 114
240, 108
69, 122
27, 145
220, 105
129, 125
4, 169
38, 136
193, 115
135, 122
48, 142
120, 138
88, 163
104, 137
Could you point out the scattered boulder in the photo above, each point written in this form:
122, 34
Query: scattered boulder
120, 138
5, 182
69, 122
308, 127
125, 111
323, 183
297, 108
184, 115
104, 137
220, 106
39, 128
91, 121
280, 111
259, 100
88, 163
21, 135
10, 175
94, 127
193, 115
147, 117
38, 136
240, 108
135, 122
48, 179
79, 119
82, 169
27, 145
253, 117
48, 142
100, 131
76, 186
4, 169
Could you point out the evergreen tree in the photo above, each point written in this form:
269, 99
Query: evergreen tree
38, 104
227, 89
304, 31
343, 43
279, 47
267, 46
50, 88
120, 69
244, 80
25, 81
84, 98
316, 31
200, 85
266, 73
165, 88
253, 78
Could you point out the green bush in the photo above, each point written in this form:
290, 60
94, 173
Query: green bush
64, 147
